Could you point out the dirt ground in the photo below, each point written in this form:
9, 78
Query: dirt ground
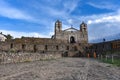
60, 69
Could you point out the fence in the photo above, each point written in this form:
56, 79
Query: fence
111, 58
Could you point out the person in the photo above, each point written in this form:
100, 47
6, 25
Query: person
94, 54
88, 55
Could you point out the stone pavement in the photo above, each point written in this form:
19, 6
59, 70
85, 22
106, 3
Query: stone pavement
60, 69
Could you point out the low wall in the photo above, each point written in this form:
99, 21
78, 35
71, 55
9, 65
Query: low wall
26, 57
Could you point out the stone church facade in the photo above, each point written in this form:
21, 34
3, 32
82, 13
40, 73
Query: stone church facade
71, 35
66, 40
70, 42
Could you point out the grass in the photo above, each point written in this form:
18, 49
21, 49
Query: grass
45, 59
115, 62
27, 60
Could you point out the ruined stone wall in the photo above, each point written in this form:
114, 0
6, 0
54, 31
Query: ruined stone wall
103, 48
32, 45
26, 57
31, 49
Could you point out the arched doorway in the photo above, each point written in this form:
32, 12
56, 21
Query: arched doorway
72, 39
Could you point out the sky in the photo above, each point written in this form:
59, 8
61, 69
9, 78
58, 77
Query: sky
36, 18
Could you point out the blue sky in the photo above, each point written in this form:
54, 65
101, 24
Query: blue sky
36, 18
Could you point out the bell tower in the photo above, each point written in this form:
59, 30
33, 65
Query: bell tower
83, 27
84, 32
58, 28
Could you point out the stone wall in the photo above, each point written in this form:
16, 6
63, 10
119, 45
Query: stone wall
104, 48
32, 45
31, 49
27, 57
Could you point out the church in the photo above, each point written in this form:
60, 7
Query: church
70, 42
62, 41
71, 35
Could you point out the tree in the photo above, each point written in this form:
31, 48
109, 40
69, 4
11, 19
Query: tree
8, 36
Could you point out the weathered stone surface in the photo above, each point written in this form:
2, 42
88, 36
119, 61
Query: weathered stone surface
60, 69
26, 57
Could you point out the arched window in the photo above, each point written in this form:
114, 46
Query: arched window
72, 39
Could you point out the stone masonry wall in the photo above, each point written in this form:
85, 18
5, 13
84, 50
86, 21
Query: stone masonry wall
79, 36
105, 48
31, 49
32, 45
26, 57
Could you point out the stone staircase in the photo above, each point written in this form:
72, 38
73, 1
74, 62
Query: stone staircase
75, 50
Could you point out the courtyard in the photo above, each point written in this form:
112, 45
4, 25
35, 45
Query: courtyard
60, 69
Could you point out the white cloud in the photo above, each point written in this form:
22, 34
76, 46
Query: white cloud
102, 18
55, 12
16, 34
70, 5
70, 21
51, 34
104, 5
10, 12
102, 30
56, 8
65, 26
103, 25
114, 18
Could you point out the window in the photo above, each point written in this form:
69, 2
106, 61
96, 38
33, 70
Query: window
11, 45
35, 48
23, 46
45, 47
57, 48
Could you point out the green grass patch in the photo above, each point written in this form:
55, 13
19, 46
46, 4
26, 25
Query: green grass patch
47, 59
27, 60
115, 62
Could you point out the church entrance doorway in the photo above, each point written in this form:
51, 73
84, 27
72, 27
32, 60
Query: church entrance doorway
72, 39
